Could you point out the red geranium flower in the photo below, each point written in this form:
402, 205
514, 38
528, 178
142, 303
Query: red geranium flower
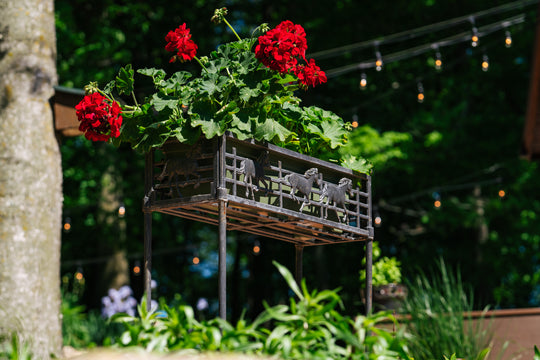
180, 40
99, 119
310, 74
279, 48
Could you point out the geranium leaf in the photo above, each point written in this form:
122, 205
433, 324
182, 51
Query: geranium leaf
270, 129
176, 80
187, 134
161, 102
333, 132
210, 128
124, 80
156, 74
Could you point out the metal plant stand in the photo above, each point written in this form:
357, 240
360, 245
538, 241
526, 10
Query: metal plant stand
261, 189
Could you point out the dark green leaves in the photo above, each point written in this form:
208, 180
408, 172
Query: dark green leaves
235, 93
124, 80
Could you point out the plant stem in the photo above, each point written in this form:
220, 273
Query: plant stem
200, 63
134, 99
230, 27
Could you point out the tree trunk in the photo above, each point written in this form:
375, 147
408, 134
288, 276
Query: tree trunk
30, 178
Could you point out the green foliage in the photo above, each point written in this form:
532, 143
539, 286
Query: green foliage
310, 327
379, 149
14, 348
234, 92
82, 329
385, 270
440, 318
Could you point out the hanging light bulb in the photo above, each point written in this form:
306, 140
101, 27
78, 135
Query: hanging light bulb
67, 224
379, 61
121, 211
474, 37
196, 260
363, 81
79, 274
436, 200
354, 122
420, 96
438, 61
485, 63
508, 39
137, 268
502, 193
256, 248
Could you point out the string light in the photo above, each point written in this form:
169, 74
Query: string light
256, 248
354, 122
67, 224
378, 62
137, 268
437, 200
502, 193
122, 211
485, 63
363, 81
438, 60
508, 39
195, 260
420, 96
474, 37
79, 275
377, 221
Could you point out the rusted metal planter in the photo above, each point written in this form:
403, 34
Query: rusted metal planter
261, 189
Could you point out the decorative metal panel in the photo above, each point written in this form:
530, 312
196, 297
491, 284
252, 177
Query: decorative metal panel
270, 191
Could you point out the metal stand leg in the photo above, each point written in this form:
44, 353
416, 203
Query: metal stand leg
148, 259
369, 275
222, 259
299, 264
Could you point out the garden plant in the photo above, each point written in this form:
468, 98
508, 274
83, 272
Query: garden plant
440, 308
246, 87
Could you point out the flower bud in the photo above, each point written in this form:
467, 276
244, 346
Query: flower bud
219, 15
264, 27
91, 88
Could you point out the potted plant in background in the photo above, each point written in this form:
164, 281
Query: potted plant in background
388, 291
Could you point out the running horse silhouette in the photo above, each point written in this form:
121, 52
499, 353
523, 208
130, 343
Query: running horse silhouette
336, 194
303, 184
181, 166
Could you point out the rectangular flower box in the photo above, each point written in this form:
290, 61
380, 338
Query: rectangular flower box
268, 190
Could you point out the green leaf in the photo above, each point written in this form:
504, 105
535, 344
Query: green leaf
289, 279
156, 74
357, 164
124, 80
247, 93
187, 134
270, 129
536, 353
161, 102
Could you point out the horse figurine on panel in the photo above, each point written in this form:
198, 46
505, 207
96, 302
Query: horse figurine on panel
303, 184
336, 194
253, 171
181, 166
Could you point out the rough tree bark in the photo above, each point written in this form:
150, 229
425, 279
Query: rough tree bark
30, 177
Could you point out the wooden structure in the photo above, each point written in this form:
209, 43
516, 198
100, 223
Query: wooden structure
531, 132
63, 104
261, 189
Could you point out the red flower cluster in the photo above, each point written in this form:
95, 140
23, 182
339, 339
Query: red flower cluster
180, 40
280, 48
310, 74
99, 120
